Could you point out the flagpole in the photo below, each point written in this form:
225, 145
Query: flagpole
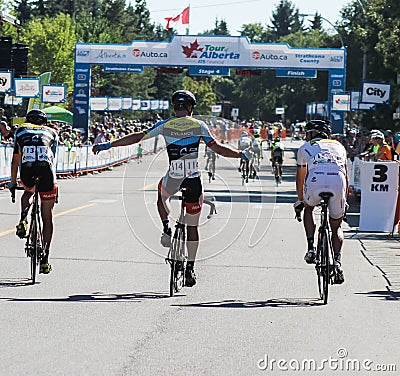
187, 29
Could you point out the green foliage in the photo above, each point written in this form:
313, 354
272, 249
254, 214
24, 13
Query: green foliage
51, 47
220, 28
203, 91
285, 20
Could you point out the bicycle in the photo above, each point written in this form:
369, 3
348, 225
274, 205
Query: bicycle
34, 238
324, 260
325, 267
244, 171
177, 254
276, 172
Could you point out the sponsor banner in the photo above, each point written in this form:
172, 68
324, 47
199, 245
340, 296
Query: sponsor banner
98, 103
356, 104
82, 82
209, 71
136, 103
126, 103
296, 73
114, 104
6, 153
123, 68
379, 183
322, 109
154, 104
378, 93
279, 111
216, 108
228, 51
5, 82
27, 87
54, 93
165, 105
81, 158
145, 104
341, 102
10, 100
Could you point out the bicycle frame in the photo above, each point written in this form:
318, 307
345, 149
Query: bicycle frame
177, 254
34, 239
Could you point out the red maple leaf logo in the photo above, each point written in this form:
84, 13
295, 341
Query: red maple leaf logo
189, 50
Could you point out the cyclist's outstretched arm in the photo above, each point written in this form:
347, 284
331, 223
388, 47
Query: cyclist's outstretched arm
225, 151
300, 176
129, 139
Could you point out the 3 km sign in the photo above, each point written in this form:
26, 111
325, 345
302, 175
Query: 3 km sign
205, 55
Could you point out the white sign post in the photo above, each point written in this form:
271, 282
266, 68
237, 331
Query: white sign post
379, 184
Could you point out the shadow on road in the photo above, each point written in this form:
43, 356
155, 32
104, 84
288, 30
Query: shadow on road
383, 295
14, 282
274, 303
97, 297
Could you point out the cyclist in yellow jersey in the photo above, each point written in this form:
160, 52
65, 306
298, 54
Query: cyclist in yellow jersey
182, 134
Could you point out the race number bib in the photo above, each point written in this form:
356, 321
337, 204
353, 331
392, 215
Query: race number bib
183, 168
36, 153
43, 154
28, 154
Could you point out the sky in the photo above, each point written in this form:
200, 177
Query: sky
236, 12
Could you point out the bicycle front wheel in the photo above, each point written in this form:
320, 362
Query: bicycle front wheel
177, 262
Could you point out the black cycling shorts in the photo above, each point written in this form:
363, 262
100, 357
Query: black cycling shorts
278, 159
194, 191
30, 171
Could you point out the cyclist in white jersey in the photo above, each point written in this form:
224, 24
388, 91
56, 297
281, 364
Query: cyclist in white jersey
321, 167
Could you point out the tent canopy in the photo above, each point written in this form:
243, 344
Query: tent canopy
58, 114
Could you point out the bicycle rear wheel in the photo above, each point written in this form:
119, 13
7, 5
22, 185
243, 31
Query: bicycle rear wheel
33, 247
323, 268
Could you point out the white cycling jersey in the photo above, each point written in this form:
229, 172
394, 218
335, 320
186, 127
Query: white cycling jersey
244, 142
326, 172
322, 154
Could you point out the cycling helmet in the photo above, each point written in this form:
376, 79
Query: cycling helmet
277, 139
37, 117
321, 127
184, 97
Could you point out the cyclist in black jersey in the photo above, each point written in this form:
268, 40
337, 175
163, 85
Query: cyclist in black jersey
182, 134
35, 148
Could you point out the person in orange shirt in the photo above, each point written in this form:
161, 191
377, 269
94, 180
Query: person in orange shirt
384, 151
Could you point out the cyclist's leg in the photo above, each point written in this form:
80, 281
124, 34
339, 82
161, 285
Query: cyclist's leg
311, 198
337, 205
27, 178
167, 187
194, 202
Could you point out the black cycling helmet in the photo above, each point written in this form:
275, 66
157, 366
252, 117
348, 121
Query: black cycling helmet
321, 127
37, 117
184, 97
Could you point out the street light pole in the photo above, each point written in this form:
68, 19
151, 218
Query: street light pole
330, 23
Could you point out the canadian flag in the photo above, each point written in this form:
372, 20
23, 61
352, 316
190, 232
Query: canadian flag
182, 17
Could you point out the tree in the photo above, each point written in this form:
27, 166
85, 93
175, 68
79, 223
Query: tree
51, 47
220, 28
255, 32
285, 20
